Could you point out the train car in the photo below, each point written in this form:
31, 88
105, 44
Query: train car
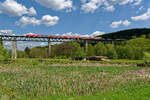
77, 37
66, 37
98, 38
51, 36
29, 35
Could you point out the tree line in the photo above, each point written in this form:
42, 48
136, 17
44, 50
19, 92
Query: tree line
132, 49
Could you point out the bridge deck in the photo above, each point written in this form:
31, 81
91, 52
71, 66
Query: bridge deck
51, 39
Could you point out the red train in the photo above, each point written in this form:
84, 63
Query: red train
65, 37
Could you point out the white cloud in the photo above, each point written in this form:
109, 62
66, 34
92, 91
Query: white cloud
93, 5
12, 8
21, 45
94, 34
6, 32
46, 20
116, 24
123, 2
97, 33
142, 17
49, 20
56, 4
32, 11
110, 8
126, 23
138, 2
73, 34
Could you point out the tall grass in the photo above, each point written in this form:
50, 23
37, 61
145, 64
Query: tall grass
47, 81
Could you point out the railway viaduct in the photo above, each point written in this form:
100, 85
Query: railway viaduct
43, 38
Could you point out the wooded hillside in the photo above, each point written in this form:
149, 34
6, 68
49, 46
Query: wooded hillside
127, 34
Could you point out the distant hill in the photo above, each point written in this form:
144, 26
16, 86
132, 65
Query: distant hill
127, 34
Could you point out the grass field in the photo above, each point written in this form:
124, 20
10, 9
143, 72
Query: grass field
45, 82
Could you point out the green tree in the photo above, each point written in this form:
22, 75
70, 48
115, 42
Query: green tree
143, 36
63, 49
27, 50
22, 54
133, 37
100, 49
4, 55
77, 51
121, 52
142, 43
111, 52
38, 52
129, 52
148, 36
68, 49
90, 51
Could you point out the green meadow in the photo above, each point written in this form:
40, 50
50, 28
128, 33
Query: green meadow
46, 82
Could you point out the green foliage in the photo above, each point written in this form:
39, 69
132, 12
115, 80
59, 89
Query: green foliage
121, 52
129, 52
100, 49
22, 54
38, 52
4, 55
90, 51
68, 49
63, 49
148, 36
127, 34
27, 50
146, 57
77, 51
143, 36
141, 43
60, 57
111, 52
133, 37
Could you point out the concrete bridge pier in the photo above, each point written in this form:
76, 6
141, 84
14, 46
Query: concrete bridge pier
1, 41
14, 49
112, 42
49, 49
86, 46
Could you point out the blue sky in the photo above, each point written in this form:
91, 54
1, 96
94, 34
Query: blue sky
69, 17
